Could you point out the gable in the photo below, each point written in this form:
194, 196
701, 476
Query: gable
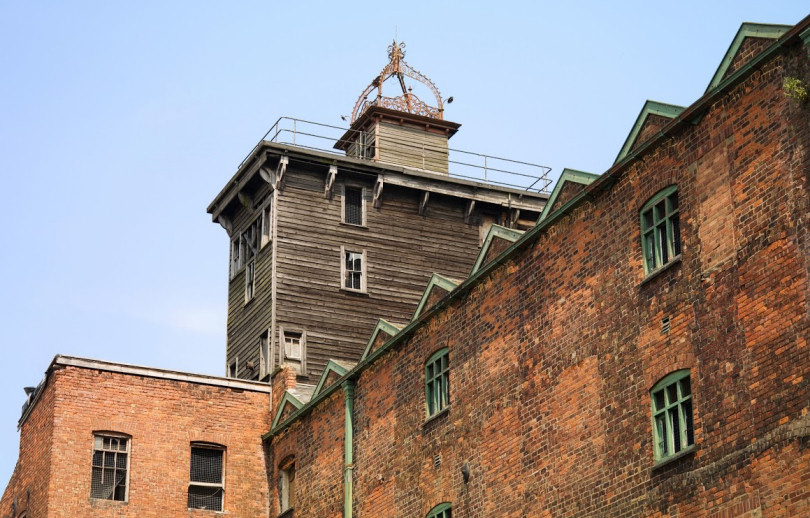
333, 371
497, 240
570, 184
654, 115
383, 331
437, 288
750, 40
288, 405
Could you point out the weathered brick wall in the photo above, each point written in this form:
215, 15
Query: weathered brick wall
163, 417
553, 355
27, 490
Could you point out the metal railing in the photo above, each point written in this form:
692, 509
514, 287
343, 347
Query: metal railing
461, 164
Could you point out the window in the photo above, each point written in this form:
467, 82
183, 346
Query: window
673, 428
233, 368
293, 349
353, 270
437, 382
441, 511
206, 488
265, 355
250, 281
660, 229
354, 210
243, 252
110, 467
267, 223
286, 487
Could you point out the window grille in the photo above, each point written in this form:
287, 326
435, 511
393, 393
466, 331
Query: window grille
353, 205
206, 489
110, 467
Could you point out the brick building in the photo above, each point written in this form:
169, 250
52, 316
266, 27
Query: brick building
641, 351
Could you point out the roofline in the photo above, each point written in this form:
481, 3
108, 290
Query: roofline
166, 374
604, 182
249, 167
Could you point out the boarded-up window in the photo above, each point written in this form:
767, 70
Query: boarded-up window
206, 488
286, 488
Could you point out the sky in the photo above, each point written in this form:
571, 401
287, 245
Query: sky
120, 122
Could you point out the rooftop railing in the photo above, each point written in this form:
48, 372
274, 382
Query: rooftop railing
466, 165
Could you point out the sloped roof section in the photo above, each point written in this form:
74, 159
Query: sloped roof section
335, 369
497, 240
382, 332
282, 412
441, 286
571, 183
751, 39
654, 116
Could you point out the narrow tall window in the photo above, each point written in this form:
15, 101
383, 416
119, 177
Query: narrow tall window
233, 368
353, 270
110, 467
441, 511
661, 229
293, 349
250, 281
267, 223
353, 205
286, 488
673, 427
206, 488
437, 381
236, 257
265, 355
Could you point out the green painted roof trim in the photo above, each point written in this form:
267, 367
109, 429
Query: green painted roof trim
747, 30
603, 183
435, 280
568, 175
288, 398
670, 111
384, 326
509, 234
331, 366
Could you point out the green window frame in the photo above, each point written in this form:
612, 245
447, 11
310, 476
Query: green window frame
672, 415
661, 229
443, 510
437, 382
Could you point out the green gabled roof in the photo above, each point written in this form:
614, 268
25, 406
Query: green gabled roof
568, 175
747, 30
670, 111
339, 368
384, 326
435, 280
495, 231
288, 398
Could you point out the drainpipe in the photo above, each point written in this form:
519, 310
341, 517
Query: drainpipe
348, 447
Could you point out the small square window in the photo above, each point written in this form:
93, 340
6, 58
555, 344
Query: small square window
110, 467
206, 488
354, 210
437, 382
673, 422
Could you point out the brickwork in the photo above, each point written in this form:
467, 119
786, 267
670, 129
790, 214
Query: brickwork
652, 125
163, 418
554, 353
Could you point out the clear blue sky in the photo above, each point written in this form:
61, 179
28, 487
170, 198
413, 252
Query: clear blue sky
120, 121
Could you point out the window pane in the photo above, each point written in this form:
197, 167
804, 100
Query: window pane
673, 202
672, 394
206, 465
661, 434
205, 498
660, 211
686, 387
658, 399
675, 428
690, 433
676, 234
648, 219
661, 231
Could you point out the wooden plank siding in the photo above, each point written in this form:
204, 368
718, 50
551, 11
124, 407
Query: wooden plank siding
411, 147
402, 250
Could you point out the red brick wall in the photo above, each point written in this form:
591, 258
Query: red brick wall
553, 355
162, 417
